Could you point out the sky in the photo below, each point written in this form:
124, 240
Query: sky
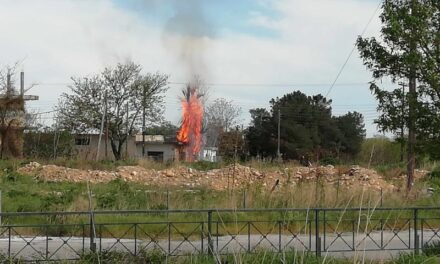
247, 51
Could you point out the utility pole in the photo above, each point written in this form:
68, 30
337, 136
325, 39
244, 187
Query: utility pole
8, 84
279, 135
21, 84
143, 123
55, 141
102, 126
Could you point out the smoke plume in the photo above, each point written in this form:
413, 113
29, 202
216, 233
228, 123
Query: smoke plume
187, 34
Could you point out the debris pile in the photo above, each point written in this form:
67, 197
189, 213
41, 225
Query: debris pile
233, 176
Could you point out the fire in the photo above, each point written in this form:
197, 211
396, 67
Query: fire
190, 132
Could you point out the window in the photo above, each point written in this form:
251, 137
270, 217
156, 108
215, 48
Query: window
82, 141
155, 155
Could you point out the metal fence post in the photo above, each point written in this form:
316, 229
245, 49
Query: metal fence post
92, 236
317, 237
416, 233
244, 199
210, 244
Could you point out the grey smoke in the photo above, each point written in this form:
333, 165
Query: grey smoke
187, 34
190, 20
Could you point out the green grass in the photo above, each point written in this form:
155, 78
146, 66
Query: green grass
22, 193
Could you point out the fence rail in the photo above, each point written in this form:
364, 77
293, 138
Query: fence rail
68, 235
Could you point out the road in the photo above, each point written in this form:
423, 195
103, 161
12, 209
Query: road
335, 245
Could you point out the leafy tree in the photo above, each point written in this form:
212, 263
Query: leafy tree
114, 91
307, 128
408, 51
259, 134
352, 133
165, 128
45, 142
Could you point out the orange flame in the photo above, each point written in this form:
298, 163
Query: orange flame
190, 132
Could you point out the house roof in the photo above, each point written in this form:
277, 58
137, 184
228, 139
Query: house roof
157, 139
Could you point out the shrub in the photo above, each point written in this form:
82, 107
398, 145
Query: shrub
432, 248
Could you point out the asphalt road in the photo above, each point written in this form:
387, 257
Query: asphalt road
341, 245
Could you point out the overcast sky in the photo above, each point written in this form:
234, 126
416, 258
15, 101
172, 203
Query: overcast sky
248, 50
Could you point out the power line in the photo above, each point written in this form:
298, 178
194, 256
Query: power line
288, 84
275, 84
352, 50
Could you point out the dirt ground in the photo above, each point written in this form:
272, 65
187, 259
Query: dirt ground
236, 176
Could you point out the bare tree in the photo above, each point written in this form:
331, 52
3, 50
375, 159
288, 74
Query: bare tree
120, 89
221, 116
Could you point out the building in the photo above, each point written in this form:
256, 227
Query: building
157, 147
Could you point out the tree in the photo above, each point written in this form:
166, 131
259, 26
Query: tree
120, 94
259, 134
220, 116
352, 129
407, 51
307, 129
231, 144
165, 128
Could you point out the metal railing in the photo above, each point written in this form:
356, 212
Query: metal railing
68, 235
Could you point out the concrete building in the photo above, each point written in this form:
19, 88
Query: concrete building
157, 147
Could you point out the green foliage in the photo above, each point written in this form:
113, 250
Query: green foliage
415, 259
329, 161
40, 144
307, 129
381, 150
432, 248
127, 93
408, 49
435, 173
166, 128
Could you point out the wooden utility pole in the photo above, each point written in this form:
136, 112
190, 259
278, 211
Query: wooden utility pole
55, 139
279, 135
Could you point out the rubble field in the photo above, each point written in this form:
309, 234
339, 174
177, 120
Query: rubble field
237, 176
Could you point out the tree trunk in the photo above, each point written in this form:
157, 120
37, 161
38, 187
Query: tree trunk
411, 134
412, 104
116, 151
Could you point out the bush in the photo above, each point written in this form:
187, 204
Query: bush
330, 161
432, 248
435, 173
385, 151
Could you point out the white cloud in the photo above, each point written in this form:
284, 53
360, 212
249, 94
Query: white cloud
61, 38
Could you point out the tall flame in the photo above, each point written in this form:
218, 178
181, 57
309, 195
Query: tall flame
190, 132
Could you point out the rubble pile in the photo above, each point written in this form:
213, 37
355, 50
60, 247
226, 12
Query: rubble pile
233, 176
